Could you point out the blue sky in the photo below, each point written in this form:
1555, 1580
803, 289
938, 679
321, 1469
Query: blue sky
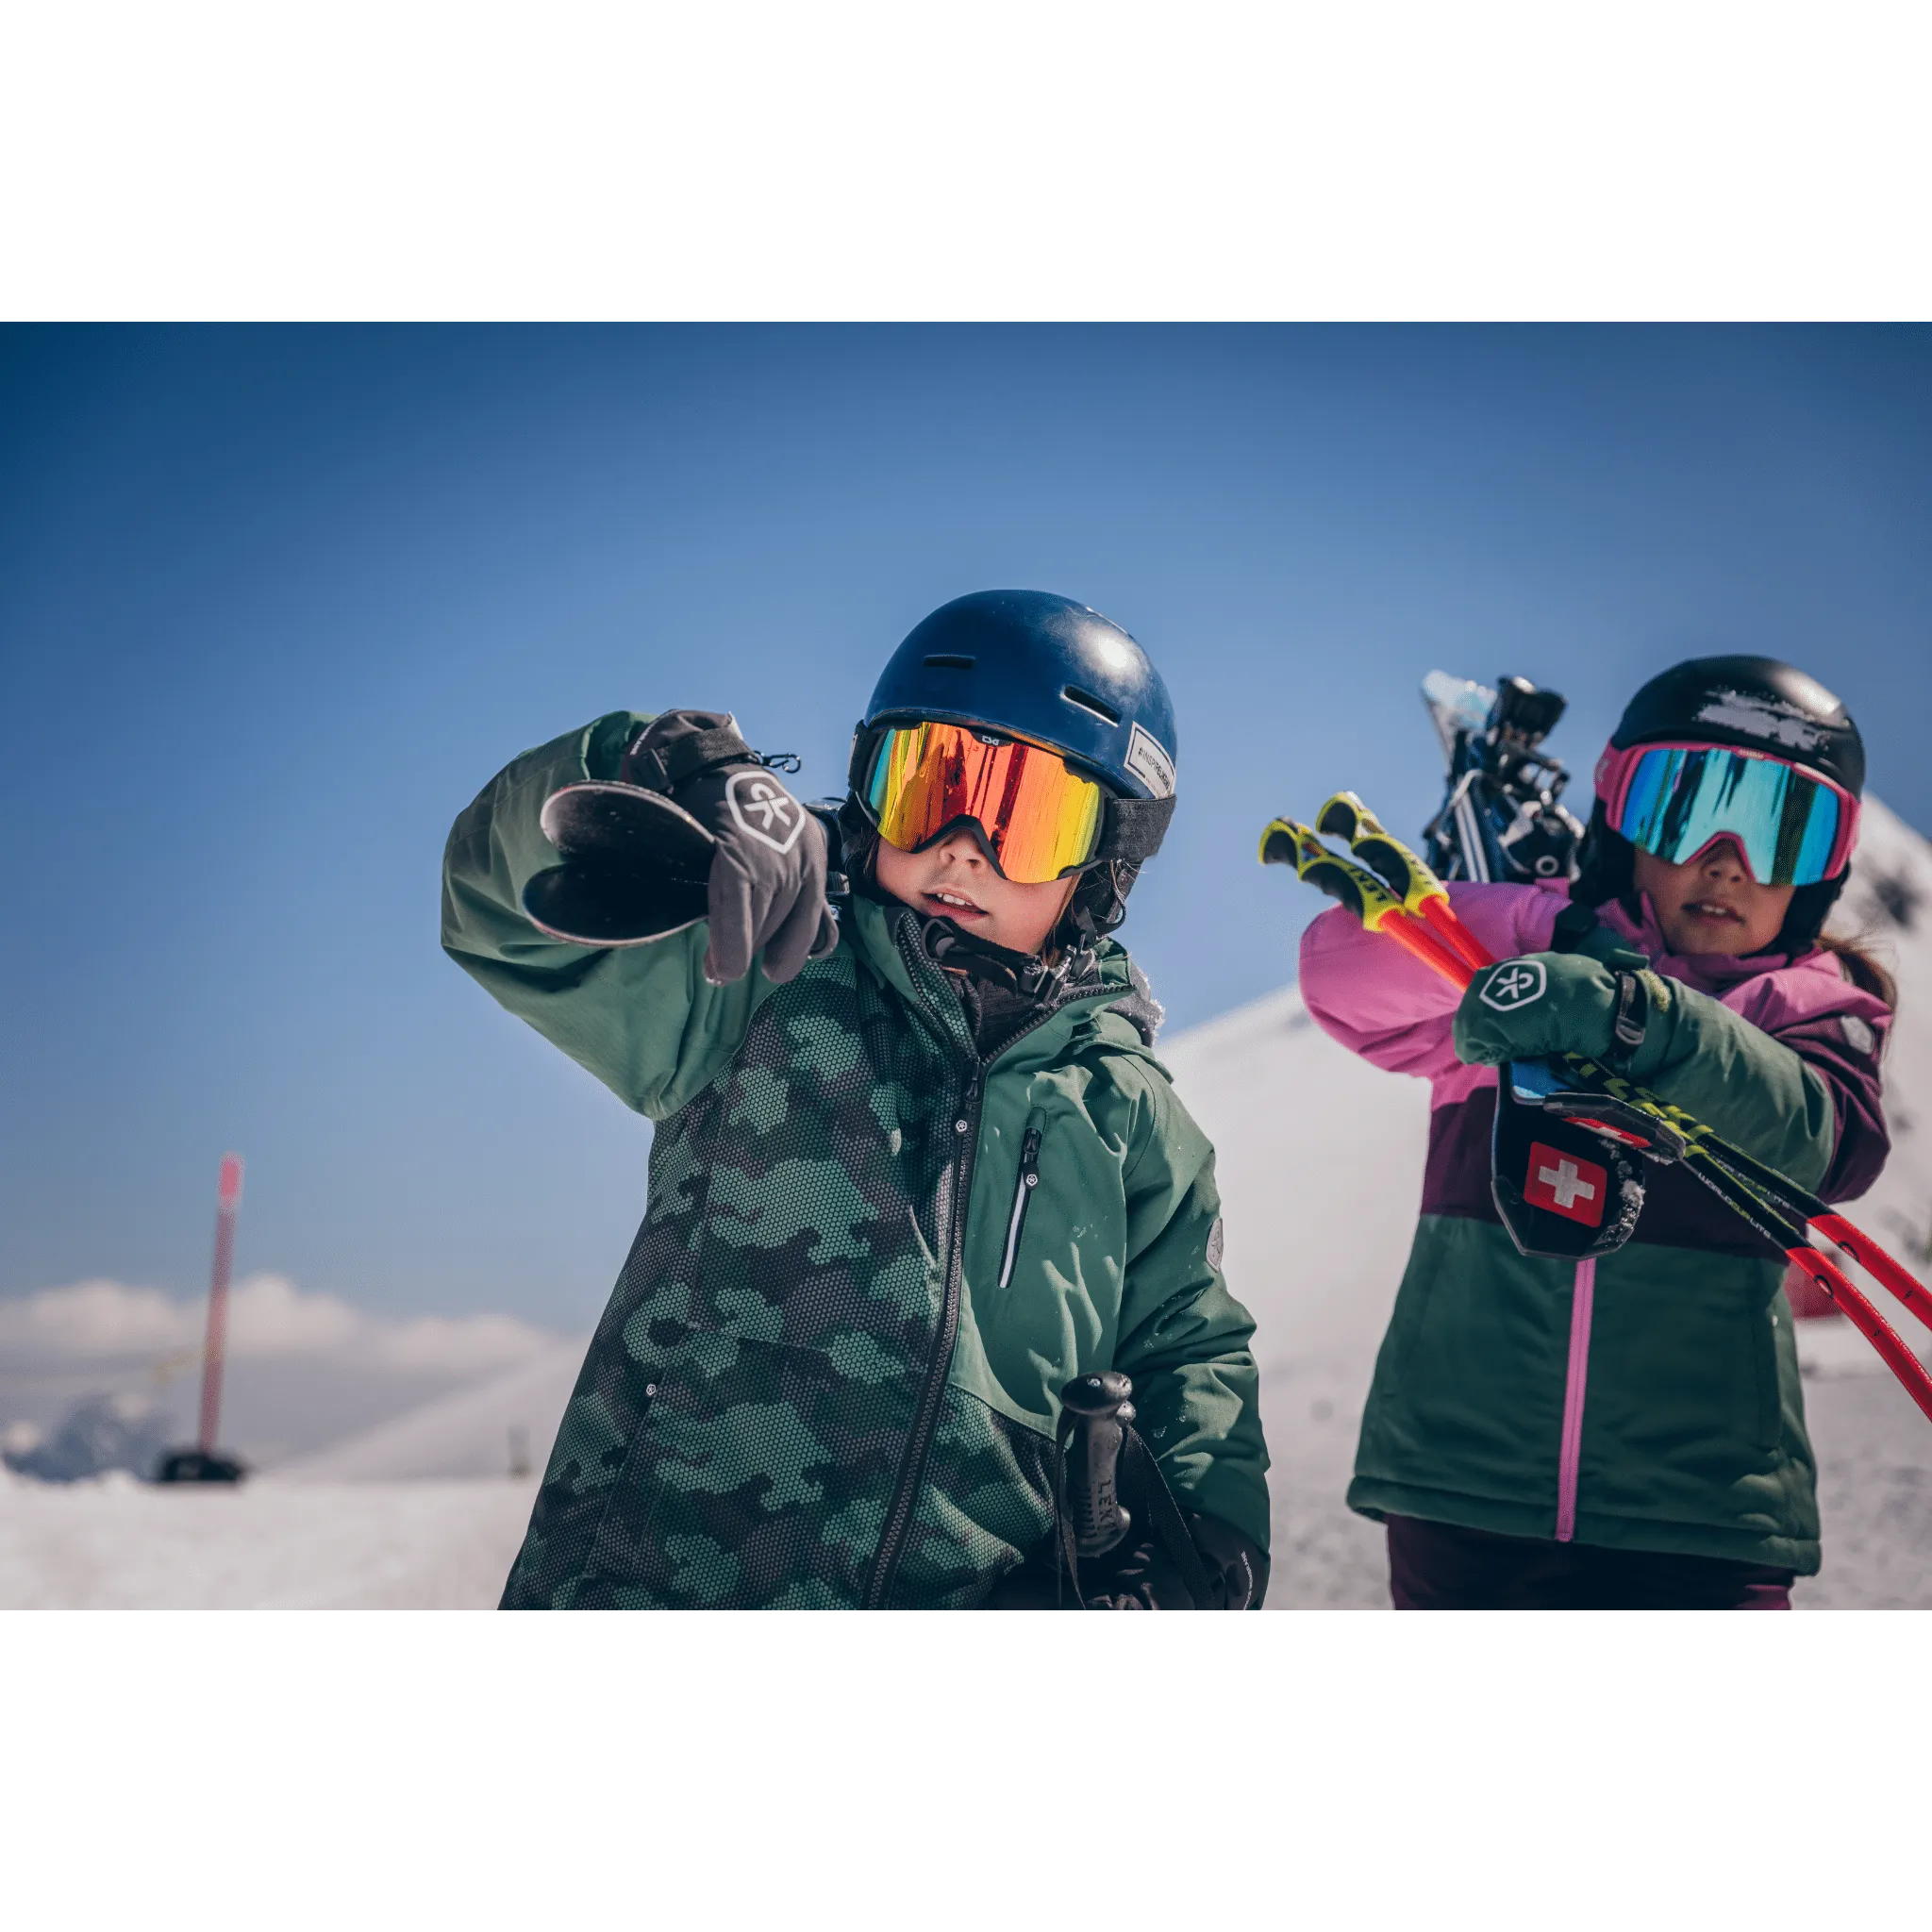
276, 603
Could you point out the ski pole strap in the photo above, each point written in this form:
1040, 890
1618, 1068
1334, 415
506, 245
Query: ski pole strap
1068, 1569
1149, 1486
1140, 1475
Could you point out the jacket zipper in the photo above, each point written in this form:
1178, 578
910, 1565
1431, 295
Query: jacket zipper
1582, 1302
1023, 1193
966, 1130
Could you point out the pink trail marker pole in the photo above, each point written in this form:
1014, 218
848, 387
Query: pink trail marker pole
227, 1207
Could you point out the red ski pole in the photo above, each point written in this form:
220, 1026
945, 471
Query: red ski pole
1875, 1261
1423, 920
1891, 1346
1809, 1211
228, 1206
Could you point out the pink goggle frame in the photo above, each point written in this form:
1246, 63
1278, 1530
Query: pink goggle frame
1616, 769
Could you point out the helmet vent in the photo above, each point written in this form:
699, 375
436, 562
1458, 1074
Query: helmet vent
945, 660
1088, 702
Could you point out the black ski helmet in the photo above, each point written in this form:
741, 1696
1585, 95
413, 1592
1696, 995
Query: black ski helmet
1756, 703
1058, 673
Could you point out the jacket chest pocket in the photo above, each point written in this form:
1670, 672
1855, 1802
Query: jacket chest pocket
1026, 1183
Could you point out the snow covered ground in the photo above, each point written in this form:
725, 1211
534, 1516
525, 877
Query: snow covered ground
115, 1543
416, 1513
287, 1541
1321, 1162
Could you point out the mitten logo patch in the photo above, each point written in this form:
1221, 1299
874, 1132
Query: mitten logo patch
1521, 983
1565, 1185
764, 809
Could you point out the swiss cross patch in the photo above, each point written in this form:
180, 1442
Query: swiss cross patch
1565, 1185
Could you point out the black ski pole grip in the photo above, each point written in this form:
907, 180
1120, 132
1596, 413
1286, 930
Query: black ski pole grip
1102, 1406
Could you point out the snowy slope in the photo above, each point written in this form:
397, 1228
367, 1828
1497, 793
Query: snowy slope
418, 1513
473, 1433
1320, 1160
115, 1543
1888, 907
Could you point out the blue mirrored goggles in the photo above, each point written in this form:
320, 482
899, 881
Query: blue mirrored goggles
1675, 801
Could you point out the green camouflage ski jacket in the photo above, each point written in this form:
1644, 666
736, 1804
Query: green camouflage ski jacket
827, 1375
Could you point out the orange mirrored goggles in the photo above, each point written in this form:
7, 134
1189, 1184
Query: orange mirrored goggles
1040, 818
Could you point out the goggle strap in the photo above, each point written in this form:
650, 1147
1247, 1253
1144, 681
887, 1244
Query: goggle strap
1132, 828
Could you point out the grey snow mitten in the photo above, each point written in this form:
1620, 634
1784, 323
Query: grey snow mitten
766, 883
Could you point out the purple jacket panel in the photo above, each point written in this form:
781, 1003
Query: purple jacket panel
1679, 1211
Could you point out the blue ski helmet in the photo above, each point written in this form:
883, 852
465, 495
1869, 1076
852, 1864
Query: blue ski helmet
1043, 668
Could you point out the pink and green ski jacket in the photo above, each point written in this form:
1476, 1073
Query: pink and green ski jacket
1647, 1400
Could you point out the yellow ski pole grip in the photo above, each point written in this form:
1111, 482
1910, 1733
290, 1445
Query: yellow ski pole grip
1342, 817
1279, 844
1404, 872
1288, 842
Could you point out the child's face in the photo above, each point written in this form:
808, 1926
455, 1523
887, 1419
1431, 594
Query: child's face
954, 879
1712, 904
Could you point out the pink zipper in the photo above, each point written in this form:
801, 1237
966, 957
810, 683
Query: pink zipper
1582, 1298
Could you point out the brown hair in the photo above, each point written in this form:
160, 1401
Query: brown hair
1861, 968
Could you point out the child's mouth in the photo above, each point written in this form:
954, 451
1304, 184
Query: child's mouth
1703, 908
953, 906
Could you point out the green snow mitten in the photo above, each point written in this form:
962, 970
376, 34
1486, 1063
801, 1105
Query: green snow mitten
1542, 1004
